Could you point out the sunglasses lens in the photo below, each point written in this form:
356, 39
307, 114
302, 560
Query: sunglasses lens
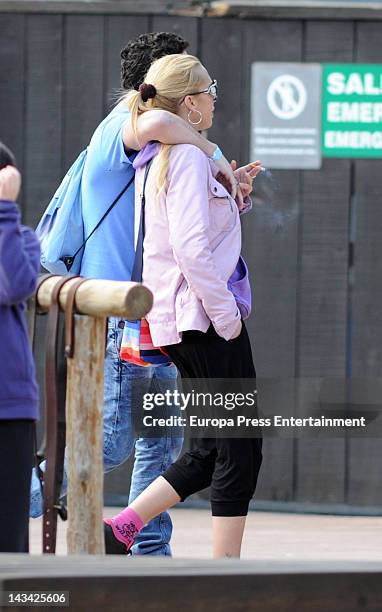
213, 90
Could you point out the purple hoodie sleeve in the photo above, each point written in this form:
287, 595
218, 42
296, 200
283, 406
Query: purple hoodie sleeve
239, 285
19, 256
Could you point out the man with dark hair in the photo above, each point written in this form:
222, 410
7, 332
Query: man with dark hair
109, 254
140, 53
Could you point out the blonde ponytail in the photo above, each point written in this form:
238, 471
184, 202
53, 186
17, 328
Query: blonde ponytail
133, 100
160, 167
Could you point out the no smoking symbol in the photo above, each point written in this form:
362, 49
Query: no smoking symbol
286, 97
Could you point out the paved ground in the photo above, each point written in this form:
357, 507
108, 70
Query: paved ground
268, 536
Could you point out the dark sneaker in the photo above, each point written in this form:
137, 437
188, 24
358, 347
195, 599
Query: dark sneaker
112, 545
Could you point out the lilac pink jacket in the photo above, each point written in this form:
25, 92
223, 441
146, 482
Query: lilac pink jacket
191, 248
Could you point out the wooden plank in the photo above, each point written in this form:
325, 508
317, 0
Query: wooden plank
43, 136
221, 54
40, 137
143, 7
13, 566
270, 246
12, 66
118, 31
284, 9
276, 478
171, 585
368, 36
365, 462
367, 318
340, 40
83, 82
321, 332
323, 272
270, 230
253, 9
270, 239
183, 26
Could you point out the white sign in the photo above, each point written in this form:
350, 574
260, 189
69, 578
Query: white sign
285, 115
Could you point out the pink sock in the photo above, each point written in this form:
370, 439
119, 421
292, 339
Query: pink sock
125, 525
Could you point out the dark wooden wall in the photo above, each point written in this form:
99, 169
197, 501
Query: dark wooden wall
317, 317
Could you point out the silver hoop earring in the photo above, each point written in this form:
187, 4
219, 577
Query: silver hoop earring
194, 122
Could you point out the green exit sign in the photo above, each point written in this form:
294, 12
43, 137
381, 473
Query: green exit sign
352, 110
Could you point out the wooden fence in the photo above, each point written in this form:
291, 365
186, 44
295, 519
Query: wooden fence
85, 351
315, 251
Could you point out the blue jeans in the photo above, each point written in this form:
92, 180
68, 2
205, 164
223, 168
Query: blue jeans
152, 455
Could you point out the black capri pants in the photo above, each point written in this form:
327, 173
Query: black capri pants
229, 465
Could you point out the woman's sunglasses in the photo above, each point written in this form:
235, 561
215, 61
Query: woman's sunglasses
212, 89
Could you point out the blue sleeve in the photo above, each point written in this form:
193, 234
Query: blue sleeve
109, 143
19, 256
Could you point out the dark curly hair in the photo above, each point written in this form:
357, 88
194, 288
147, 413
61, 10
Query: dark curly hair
139, 54
6, 157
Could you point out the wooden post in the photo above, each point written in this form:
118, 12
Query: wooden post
84, 418
95, 300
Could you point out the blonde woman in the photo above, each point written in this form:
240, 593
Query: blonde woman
191, 249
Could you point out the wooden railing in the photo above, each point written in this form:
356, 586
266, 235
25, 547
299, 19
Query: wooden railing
95, 300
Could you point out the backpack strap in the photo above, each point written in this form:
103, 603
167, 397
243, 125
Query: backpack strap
136, 275
69, 259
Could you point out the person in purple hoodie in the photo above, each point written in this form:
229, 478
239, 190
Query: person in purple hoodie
19, 267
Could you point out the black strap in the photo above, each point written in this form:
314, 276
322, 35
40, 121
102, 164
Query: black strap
136, 275
68, 260
69, 316
55, 393
32, 312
